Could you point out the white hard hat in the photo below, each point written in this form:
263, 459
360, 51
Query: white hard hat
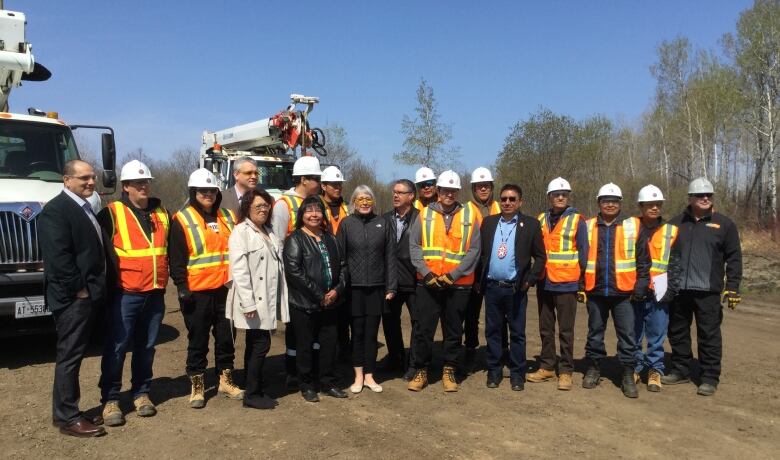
558, 184
649, 193
332, 174
449, 179
700, 185
307, 166
202, 178
481, 175
134, 170
610, 190
423, 174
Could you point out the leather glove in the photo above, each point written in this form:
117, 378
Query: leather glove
431, 280
582, 297
185, 296
445, 280
732, 297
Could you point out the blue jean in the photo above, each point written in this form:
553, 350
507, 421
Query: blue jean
651, 321
599, 308
503, 303
134, 319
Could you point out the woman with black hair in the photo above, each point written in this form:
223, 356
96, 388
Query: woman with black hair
316, 275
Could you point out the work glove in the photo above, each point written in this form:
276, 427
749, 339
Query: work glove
732, 297
185, 296
445, 280
431, 280
582, 297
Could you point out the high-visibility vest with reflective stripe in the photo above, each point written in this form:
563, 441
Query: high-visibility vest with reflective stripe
659, 246
293, 203
443, 251
418, 205
142, 260
208, 265
475, 208
563, 262
335, 220
626, 233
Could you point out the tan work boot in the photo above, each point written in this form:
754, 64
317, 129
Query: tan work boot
227, 387
654, 381
144, 407
112, 414
564, 382
541, 375
637, 377
419, 381
448, 379
197, 398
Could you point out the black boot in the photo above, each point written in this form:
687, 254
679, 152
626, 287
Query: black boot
592, 377
469, 356
629, 385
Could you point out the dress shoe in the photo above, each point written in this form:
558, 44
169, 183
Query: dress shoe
260, 401
494, 380
517, 384
82, 428
706, 389
674, 378
375, 387
334, 392
310, 395
409, 375
93, 419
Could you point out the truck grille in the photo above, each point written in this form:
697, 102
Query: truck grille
18, 240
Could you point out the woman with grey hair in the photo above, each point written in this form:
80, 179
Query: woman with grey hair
369, 248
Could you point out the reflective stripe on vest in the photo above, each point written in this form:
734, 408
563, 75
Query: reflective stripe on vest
477, 211
660, 245
560, 243
443, 251
334, 222
207, 267
142, 260
624, 262
293, 202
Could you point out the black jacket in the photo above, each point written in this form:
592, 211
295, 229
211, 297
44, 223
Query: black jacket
406, 273
709, 249
370, 251
73, 257
304, 271
529, 244
673, 269
606, 279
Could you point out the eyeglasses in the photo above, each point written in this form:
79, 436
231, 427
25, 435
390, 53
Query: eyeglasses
483, 185
364, 202
400, 192
261, 207
428, 183
699, 196
206, 191
314, 178
448, 191
84, 178
139, 182
510, 199
333, 184
559, 194
250, 173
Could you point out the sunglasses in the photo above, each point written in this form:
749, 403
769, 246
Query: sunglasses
510, 199
702, 195
250, 173
139, 183
559, 194
483, 185
206, 191
364, 202
428, 183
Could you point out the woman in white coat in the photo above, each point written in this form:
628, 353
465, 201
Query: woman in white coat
258, 292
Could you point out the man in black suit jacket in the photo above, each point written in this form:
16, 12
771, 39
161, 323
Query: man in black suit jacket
505, 272
246, 176
74, 267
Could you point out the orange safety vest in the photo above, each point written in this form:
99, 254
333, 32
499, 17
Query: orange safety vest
443, 251
626, 233
143, 261
208, 265
494, 209
660, 246
293, 203
563, 263
335, 220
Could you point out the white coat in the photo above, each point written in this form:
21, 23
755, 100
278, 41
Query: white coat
257, 273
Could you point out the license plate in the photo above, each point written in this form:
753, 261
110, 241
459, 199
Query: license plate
31, 309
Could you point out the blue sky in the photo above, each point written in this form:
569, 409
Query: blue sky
162, 72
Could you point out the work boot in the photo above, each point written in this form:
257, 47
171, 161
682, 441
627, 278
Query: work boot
419, 381
112, 414
654, 381
540, 375
227, 387
674, 378
629, 383
197, 398
409, 375
564, 381
706, 389
144, 407
592, 378
448, 379
637, 378
468, 360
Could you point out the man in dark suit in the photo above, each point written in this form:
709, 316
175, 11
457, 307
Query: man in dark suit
509, 241
75, 288
246, 176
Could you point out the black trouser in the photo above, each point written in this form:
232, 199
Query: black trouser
258, 342
317, 326
290, 349
364, 345
565, 305
450, 306
706, 308
391, 325
471, 323
345, 321
204, 314
74, 326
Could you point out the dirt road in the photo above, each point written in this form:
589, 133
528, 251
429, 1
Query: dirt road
740, 421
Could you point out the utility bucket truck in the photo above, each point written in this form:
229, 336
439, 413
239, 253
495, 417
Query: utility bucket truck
34, 147
274, 143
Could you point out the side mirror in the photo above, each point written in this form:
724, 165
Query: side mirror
208, 163
109, 179
109, 152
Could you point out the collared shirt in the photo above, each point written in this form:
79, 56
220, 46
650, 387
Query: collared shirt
90, 214
400, 224
503, 269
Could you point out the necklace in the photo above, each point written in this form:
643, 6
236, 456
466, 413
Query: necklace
502, 251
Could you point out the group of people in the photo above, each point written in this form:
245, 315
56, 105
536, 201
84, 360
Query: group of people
332, 270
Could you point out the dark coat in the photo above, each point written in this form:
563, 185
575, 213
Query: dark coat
529, 244
73, 257
407, 274
303, 270
370, 251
